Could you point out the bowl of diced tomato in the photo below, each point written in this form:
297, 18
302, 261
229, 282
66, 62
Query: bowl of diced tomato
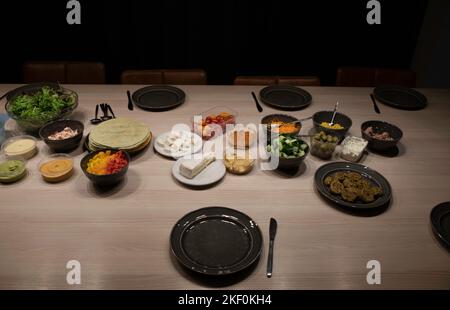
214, 122
105, 167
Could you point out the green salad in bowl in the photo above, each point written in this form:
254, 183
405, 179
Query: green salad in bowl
34, 109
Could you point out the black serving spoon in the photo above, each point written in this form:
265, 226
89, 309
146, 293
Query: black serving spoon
96, 120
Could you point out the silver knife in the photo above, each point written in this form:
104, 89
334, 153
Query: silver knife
272, 233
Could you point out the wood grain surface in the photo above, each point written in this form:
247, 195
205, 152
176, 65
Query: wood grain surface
121, 236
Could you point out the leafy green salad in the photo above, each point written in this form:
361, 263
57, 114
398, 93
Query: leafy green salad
288, 147
42, 106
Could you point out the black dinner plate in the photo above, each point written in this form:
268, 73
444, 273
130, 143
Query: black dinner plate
440, 221
29, 88
400, 97
216, 241
285, 97
369, 174
158, 98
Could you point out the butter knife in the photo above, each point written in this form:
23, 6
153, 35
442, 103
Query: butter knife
272, 233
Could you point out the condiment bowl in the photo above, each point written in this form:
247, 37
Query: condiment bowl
108, 179
6, 175
326, 116
379, 127
65, 145
267, 120
56, 174
292, 163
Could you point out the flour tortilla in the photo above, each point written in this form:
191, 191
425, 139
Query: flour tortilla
123, 133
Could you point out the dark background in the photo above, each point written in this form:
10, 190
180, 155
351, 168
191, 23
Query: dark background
224, 37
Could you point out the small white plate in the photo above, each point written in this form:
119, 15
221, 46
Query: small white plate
210, 175
195, 149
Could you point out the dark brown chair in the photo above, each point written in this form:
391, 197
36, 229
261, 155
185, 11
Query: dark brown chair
165, 76
185, 77
271, 80
64, 72
299, 80
142, 77
355, 77
406, 78
34, 72
255, 80
85, 73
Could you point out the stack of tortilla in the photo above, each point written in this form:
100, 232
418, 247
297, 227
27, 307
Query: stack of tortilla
120, 133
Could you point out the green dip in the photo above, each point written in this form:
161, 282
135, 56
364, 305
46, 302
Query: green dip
12, 171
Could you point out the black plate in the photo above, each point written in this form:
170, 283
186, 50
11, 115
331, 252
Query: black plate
440, 221
285, 97
30, 88
401, 97
158, 97
366, 172
216, 241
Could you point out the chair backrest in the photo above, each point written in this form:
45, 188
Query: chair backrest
372, 77
64, 72
143, 77
255, 80
185, 77
165, 76
405, 78
34, 72
85, 73
271, 80
355, 77
299, 80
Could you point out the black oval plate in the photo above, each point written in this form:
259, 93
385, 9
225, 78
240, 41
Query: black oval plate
216, 241
366, 172
400, 97
285, 97
440, 221
158, 98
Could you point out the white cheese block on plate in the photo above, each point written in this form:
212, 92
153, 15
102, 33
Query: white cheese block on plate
192, 167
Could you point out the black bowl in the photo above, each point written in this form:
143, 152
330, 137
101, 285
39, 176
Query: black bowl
378, 127
266, 120
292, 163
61, 146
326, 116
284, 118
104, 180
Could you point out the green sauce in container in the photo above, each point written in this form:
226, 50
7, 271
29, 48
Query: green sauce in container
12, 170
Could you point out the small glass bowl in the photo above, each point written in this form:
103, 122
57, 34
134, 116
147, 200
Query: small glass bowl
323, 149
57, 176
6, 179
27, 154
207, 131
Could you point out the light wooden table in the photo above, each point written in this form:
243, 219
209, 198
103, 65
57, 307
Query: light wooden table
121, 237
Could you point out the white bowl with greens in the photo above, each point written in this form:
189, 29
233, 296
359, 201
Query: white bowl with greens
36, 106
